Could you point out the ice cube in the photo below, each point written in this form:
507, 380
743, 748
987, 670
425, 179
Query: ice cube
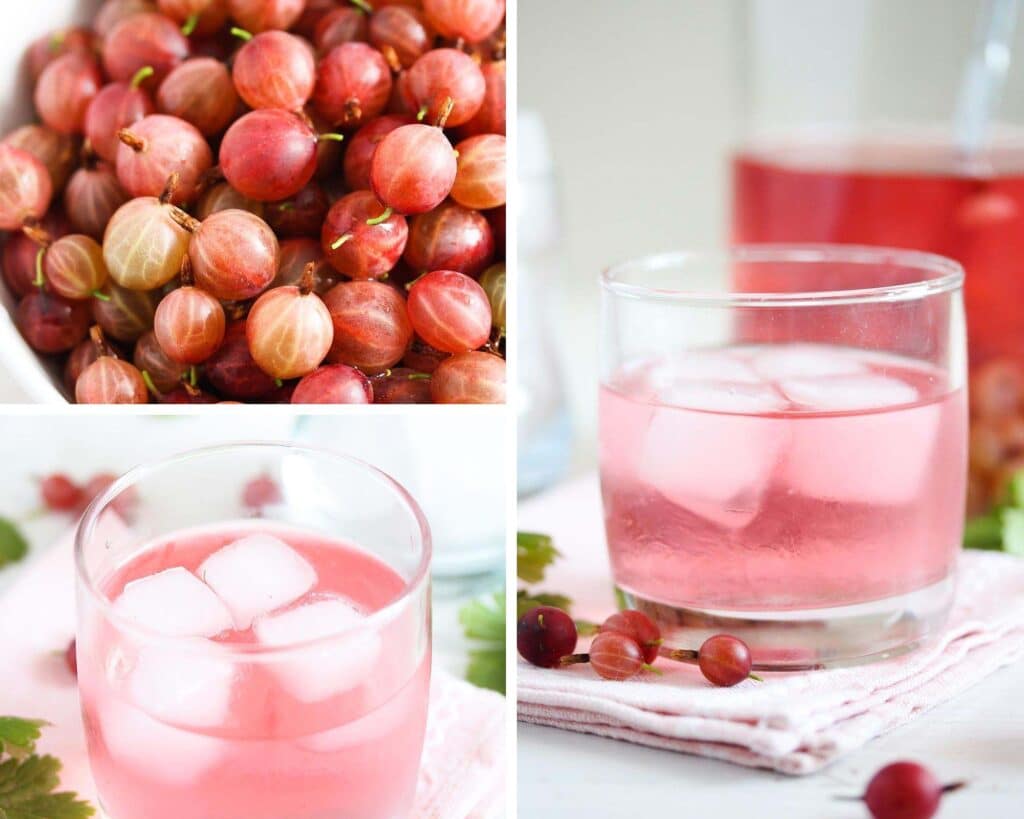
723, 396
871, 458
776, 362
184, 683
849, 392
391, 723
325, 670
702, 366
159, 752
174, 602
256, 575
715, 465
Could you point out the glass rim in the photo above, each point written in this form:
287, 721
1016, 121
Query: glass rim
947, 275
89, 519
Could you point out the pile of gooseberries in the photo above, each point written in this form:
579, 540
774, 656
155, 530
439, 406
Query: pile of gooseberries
278, 201
626, 643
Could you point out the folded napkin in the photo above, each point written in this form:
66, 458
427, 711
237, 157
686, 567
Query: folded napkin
795, 723
462, 775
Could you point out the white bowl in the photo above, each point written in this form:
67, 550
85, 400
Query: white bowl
37, 376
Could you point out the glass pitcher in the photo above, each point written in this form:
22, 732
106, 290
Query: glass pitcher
899, 125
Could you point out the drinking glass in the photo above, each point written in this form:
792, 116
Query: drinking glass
312, 700
783, 446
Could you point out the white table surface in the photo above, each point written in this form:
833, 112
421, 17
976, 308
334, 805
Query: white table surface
978, 737
10, 391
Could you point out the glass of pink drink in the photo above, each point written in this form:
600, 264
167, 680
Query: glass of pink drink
241, 664
783, 446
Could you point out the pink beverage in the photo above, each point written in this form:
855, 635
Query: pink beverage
286, 685
755, 481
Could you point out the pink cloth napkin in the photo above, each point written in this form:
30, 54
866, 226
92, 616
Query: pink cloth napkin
792, 723
462, 776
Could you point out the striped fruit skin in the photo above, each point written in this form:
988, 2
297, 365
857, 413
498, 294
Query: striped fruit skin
450, 311
472, 20
219, 246
615, 656
371, 325
73, 266
356, 243
413, 168
189, 325
450, 237
469, 378
289, 332
111, 381
480, 180
26, 189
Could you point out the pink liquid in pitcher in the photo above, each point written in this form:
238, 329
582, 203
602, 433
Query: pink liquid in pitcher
906, 193
781, 477
331, 728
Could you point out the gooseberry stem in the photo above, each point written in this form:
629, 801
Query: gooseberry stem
363, 6
169, 188
185, 273
99, 341
147, 379
99, 294
445, 112
332, 137
128, 138
190, 223
36, 233
142, 75
680, 655
340, 241
308, 280
391, 57
376, 220
39, 280
241, 33
190, 25
691, 657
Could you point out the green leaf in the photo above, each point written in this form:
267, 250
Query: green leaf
484, 618
1013, 531
984, 532
528, 602
487, 668
1015, 491
26, 787
13, 546
534, 553
483, 621
18, 736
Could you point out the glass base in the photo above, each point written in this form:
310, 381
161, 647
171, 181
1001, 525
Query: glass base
812, 638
